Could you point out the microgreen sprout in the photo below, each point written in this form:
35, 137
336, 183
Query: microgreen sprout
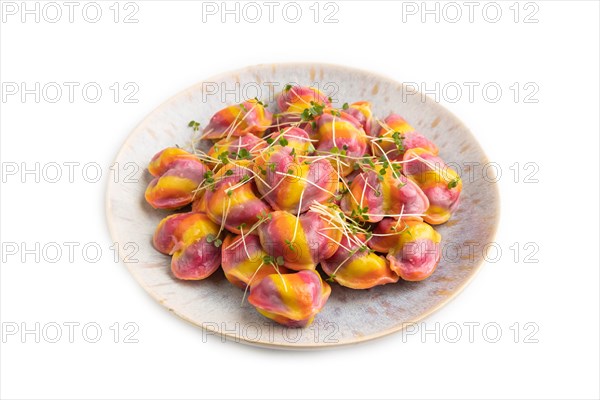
452, 184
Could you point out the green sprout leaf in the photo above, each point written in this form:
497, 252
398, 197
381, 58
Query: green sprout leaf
453, 183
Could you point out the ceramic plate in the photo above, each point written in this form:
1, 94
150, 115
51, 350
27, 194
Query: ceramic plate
350, 316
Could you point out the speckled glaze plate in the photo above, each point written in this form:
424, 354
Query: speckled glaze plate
350, 316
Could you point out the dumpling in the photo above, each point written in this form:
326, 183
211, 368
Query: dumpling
189, 238
295, 99
342, 135
397, 136
169, 232
250, 116
230, 199
294, 138
385, 234
353, 265
303, 241
288, 183
292, 300
380, 191
236, 148
440, 183
361, 111
299, 106
172, 157
178, 176
243, 261
413, 247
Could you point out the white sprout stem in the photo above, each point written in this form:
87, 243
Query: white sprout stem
383, 125
250, 281
324, 211
240, 184
341, 264
371, 186
205, 134
280, 276
334, 241
334, 228
291, 124
329, 156
255, 174
388, 160
386, 234
197, 190
200, 187
244, 242
351, 237
272, 189
434, 167
302, 138
362, 197
399, 219
333, 131
255, 147
384, 139
298, 97
224, 216
349, 190
396, 215
289, 112
298, 216
237, 242
204, 156
232, 127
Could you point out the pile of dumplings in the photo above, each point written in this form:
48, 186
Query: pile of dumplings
289, 202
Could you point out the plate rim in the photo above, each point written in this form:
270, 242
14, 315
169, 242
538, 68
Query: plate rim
110, 185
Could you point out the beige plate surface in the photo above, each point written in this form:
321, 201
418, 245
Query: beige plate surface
350, 316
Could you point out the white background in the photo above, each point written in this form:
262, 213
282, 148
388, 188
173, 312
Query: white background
171, 48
